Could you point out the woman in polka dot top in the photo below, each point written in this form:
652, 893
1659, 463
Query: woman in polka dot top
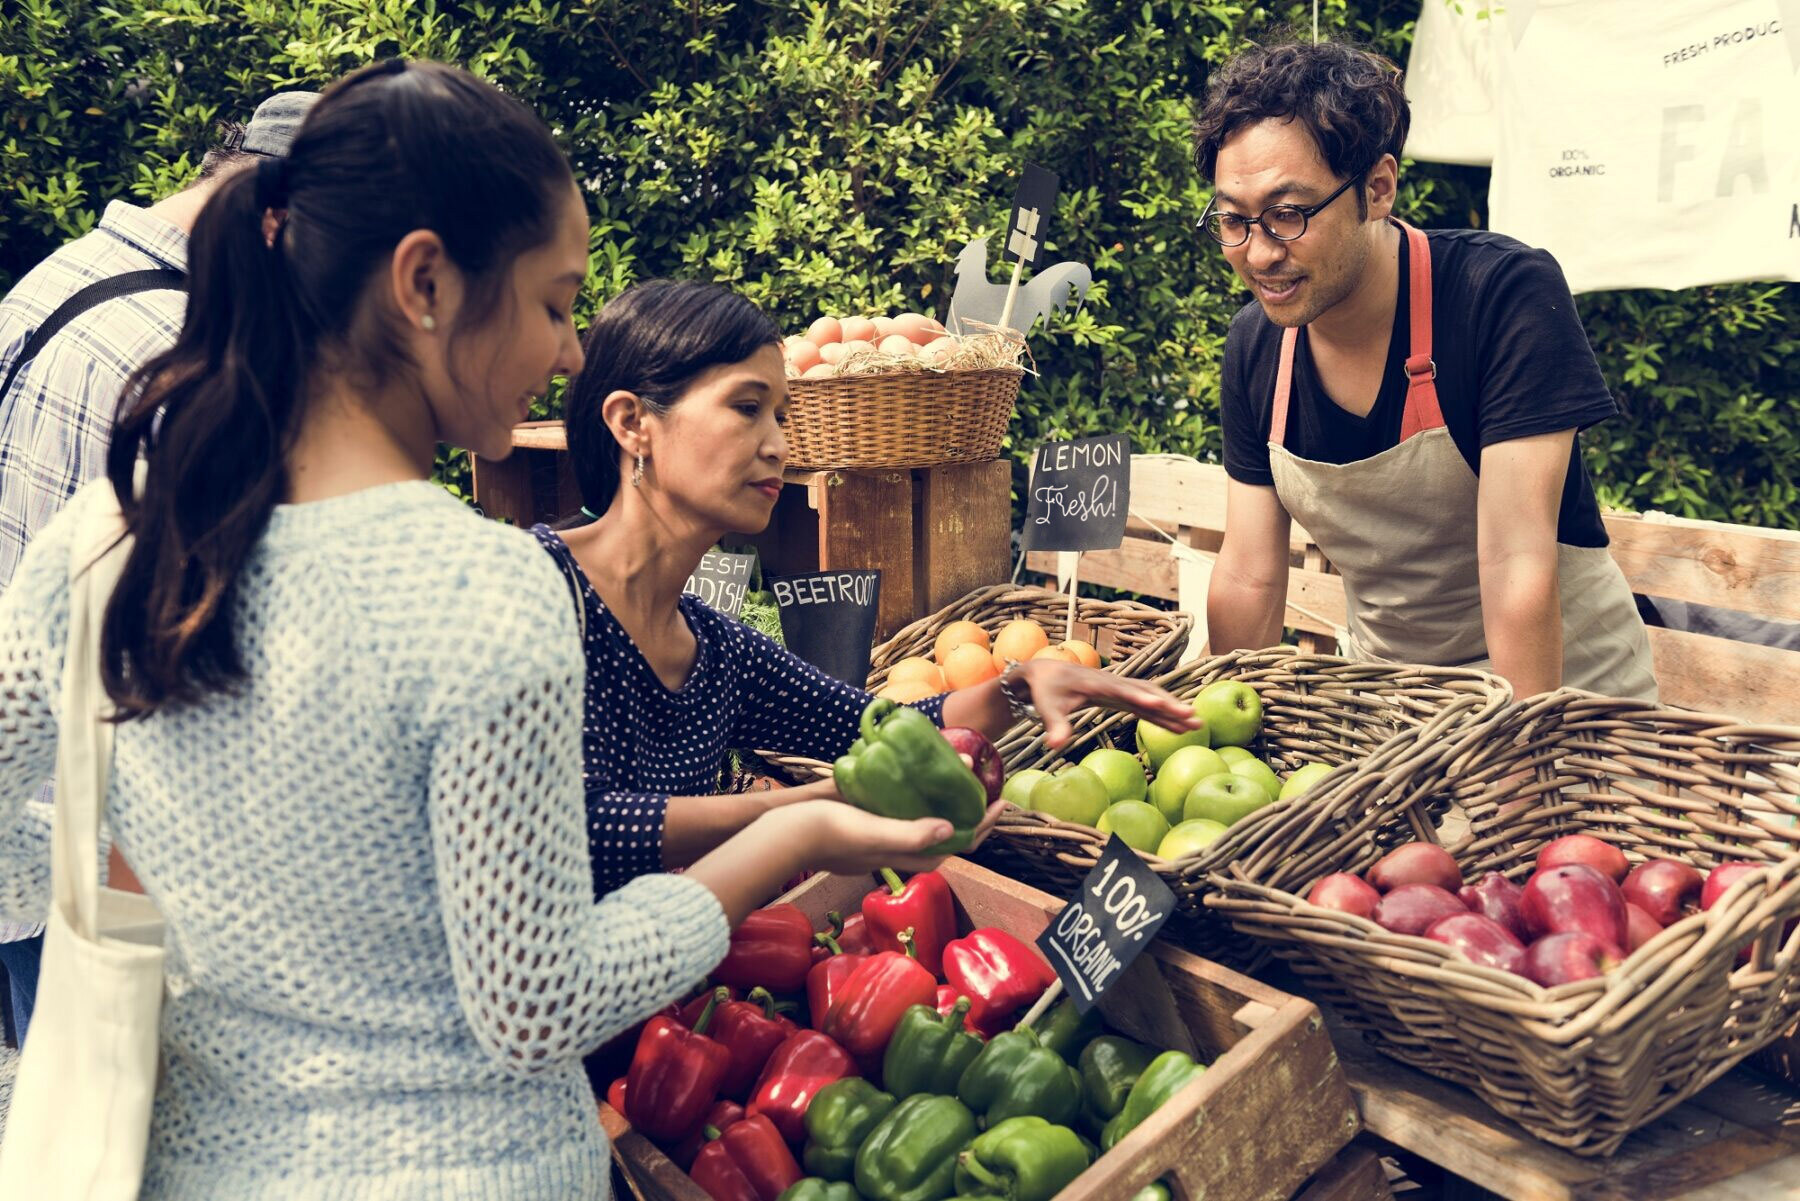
675, 438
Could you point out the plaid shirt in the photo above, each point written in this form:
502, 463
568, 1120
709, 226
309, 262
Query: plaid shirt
57, 420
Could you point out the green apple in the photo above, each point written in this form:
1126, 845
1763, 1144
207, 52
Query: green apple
1184, 769
1073, 794
1018, 786
1157, 744
1232, 712
1261, 773
1137, 822
1187, 838
1121, 772
1225, 799
1302, 778
1235, 754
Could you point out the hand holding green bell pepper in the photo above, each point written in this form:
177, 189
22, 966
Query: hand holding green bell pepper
911, 1155
840, 1117
1022, 1159
929, 1051
1167, 1075
903, 768
1016, 1075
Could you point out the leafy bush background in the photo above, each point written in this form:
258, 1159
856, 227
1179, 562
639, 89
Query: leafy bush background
829, 156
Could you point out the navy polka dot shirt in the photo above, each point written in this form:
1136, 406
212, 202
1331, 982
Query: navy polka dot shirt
642, 743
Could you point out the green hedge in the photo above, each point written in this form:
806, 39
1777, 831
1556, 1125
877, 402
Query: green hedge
827, 156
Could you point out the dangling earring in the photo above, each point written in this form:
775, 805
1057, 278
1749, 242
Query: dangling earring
637, 473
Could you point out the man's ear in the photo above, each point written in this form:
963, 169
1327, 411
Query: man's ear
1382, 187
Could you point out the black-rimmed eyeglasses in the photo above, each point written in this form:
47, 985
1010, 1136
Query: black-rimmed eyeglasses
1283, 222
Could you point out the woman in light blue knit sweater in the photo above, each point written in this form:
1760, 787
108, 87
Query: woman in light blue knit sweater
350, 773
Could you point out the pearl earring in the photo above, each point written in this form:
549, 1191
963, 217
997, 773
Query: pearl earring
428, 323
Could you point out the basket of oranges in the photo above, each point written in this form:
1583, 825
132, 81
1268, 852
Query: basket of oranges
972, 641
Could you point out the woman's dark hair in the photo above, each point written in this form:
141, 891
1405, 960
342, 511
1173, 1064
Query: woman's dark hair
652, 340
389, 149
1350, 100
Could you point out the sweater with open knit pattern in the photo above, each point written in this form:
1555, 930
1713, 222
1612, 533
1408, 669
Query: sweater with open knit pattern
385, 957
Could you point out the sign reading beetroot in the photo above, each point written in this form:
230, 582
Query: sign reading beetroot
1121, 906
1080, 493
828, 619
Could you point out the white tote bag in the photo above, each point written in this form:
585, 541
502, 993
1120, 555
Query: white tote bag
80, 1113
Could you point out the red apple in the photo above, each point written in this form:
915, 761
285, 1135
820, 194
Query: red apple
1412, 908
1571, 955
1640, 927
981, 757
1416, 863
1481, 940
1666, 889
1494, 896
1603, 857
1574, 897
1720, 879
1341, 890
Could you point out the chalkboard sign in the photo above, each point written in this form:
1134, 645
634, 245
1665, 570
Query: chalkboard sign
1121, 906
828, 619
1080, 492
1032, 205
721, 580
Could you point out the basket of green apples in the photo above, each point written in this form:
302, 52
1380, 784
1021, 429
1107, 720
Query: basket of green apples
1282, 729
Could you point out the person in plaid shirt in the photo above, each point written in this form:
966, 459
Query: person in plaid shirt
56, 419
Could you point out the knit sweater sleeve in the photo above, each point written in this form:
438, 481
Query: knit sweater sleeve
544, 972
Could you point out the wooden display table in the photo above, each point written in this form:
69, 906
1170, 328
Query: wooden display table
934, 533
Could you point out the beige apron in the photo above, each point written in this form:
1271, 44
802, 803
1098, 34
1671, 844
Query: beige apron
1400, 527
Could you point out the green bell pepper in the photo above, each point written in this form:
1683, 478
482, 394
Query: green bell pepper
1156, 1191
1016, 1075
839, 1118
905, 769
1067, 1031
911, 1155
929, 1051
814, 1189
1167, 1075
1110, 1065
1022, 1159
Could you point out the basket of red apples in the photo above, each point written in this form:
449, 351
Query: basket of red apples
1614, 928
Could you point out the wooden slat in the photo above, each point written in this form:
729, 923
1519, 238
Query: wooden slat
1757, 684
1174, 491
866, 521
1705, 563
503, 489
963, 527
540, 435
1355, 1175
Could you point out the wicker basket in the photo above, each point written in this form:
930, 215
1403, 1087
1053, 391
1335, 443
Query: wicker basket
1135, 640
1316, 708
900, 419
1584, 1064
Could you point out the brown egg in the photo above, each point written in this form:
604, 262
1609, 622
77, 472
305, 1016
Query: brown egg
802, 354
858, 329
824, 330
898, 344
918, 327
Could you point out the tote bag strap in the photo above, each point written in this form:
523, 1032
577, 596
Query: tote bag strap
84, 742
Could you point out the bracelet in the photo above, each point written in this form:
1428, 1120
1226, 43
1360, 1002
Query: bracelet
1017, 693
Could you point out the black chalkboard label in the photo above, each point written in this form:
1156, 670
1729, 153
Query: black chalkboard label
1030, 223
828, 619
721, 580
1121, 906
1080, 493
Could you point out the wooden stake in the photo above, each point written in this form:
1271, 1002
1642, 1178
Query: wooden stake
1044, 1002
1069, 625
1012, 293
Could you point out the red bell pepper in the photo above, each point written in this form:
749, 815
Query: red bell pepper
615, 1094
749, 1030
852, 933
800, 1067
873, 1000
826, 979
999, 974
688, 1012
722, 1116
747, 1161
674, 1076
772, 947
923, 905
947, 997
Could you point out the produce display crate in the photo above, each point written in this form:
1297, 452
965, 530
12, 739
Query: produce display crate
1134, 640
1316, 708
899, 419
1580, 1065
1272, 1108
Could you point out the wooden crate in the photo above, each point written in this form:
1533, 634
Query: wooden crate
934, 533
1272, 1109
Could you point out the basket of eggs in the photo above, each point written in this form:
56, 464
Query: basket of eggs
897, 392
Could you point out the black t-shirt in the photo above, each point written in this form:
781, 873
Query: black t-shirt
1512, 359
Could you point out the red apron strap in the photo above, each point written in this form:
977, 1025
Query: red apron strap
1284, 384
1422, 410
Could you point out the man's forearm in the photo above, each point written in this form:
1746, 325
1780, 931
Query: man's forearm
1243, 613
1521, 609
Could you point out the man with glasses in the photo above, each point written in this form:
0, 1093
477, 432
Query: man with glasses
1411, 399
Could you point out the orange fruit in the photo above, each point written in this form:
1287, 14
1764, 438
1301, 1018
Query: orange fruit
910, 667
1056, 652
907, 691
1018, 641
959, 633
968, 664
1084, 652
